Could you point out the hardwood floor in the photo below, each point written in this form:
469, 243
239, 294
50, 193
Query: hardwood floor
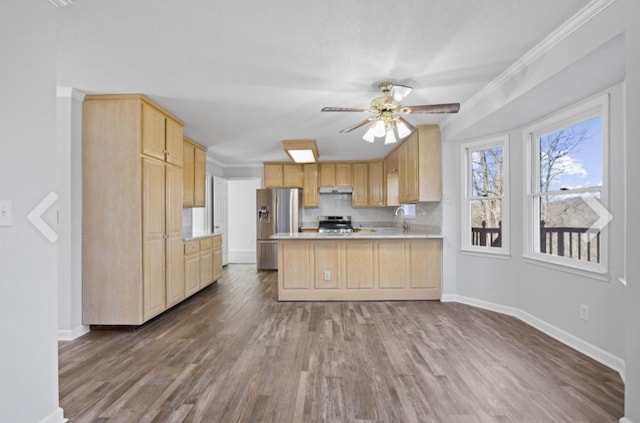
234, 354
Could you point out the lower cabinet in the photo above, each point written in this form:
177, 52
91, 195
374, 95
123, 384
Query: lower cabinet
202, 263
359, 269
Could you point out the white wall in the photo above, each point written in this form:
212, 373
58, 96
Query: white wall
242, 219
594, 56
28, 172
69, 136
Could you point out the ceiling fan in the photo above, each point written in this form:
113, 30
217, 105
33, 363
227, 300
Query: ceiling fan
387, 122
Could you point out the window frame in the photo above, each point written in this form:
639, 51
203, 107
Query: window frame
466, 149
564, 118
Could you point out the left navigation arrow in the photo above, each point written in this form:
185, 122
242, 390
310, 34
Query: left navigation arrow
35, 217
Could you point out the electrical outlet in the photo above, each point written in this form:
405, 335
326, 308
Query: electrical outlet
327, 275
6, 216
584, 312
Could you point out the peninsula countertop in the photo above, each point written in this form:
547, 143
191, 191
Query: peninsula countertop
377, 234
191, 236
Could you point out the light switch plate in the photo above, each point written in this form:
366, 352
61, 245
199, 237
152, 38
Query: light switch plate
6, 215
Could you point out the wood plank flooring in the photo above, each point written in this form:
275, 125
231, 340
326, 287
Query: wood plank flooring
233, 353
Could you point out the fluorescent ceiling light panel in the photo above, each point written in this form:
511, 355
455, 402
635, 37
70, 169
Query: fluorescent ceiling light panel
301, 151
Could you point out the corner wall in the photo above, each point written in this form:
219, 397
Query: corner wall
28, 172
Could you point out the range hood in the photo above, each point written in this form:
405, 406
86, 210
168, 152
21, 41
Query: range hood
336, 190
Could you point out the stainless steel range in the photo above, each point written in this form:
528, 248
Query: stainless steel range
335, 224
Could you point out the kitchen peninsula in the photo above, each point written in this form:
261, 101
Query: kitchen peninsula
359, 266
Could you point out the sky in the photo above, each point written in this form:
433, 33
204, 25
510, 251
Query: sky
583, 166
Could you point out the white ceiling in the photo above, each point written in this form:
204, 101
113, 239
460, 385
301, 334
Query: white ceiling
245, 75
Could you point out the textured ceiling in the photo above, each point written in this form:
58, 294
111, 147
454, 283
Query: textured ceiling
245, 75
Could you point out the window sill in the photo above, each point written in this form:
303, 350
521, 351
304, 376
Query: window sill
500, 255
599, 275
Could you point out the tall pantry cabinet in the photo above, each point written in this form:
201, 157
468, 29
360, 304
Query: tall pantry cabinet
132, 248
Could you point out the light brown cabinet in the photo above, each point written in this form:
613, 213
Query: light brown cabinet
202, 263
335, 174
195, 167
310, 190
359, 269
391, 163
283, 175
132, 267
161, 135
360, 195
420, 167
376, 183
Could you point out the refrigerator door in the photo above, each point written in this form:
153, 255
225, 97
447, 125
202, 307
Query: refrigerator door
265, 218
287, 206
267, 255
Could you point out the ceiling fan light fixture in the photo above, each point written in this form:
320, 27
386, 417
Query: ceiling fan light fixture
403, 130
390, 138
378, 128
301, 151
369, 135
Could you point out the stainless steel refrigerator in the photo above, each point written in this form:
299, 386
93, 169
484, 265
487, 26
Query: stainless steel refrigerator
278, 211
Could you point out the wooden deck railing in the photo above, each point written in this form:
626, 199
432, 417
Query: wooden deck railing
561, 241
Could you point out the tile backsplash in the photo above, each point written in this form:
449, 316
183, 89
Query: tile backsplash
428, 215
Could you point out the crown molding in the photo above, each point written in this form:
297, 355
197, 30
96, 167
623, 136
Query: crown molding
223, 165
547, 44
70, 92
61, 3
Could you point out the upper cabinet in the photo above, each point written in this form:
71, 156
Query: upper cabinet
283, 175
335, 174
420, 166
376, 183
195, 167
360, 195
311, 196
161, 135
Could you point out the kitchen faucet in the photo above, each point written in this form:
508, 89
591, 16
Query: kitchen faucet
405, 226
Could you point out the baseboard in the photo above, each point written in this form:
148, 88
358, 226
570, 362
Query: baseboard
70, 335
242, 256
598, 354
57, 416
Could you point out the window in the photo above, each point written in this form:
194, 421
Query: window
484, 215
567, 187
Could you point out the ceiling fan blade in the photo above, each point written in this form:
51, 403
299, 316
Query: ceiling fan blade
398, 92
358, 125
406, 122
432, 108
342, 109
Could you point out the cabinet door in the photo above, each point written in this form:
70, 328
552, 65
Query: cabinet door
273, 175
327, 174
343, 174
188, 173
392, 182
408, 168
310, 190
206, 267
390, 257
153, 240
174, 244
173, 142
153, 132
217, 263
425, 265
191, 273
376, 183
327, 263
359, 264
292, 176
199, 175
360, 195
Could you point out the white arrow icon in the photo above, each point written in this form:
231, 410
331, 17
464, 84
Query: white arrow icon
35, 217
604, 217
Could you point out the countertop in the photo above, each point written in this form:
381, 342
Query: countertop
378, 234
198, 235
